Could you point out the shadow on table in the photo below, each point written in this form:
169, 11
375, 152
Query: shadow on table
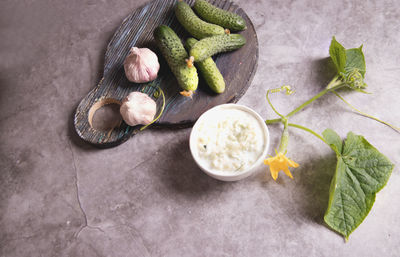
314, 179
306, 196
181, 174
323, 71
98, 71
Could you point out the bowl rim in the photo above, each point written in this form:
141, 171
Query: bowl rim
225, 174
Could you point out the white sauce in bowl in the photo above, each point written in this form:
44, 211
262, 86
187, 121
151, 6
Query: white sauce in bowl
229, 140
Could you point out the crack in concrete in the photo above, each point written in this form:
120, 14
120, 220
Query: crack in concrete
142, 162
6, 240
88, 227
85, 224
152, 155
133, 238
129, 228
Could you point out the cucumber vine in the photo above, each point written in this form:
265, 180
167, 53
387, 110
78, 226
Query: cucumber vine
361, 170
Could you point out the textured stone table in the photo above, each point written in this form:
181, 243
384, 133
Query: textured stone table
62, 197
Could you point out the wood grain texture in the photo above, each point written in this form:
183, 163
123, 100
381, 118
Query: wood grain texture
237, 67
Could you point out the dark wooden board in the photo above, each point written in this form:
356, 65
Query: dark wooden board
237, 67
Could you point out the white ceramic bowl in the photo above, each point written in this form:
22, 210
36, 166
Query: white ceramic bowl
227, 175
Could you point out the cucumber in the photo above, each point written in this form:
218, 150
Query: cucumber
193, 24
173, 51
212, 45
213, 14
209, 70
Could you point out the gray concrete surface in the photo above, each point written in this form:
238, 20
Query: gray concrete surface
61, 197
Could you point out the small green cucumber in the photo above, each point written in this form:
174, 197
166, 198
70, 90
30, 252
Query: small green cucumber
209, 70
193, 24
213, 14
212, 45
174, 52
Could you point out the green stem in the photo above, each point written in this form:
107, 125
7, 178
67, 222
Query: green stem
365, 114
334, 84
323, 92
285, 137
308, 130
273, 108
272, 121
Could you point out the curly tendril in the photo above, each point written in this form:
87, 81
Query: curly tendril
287, 88
288, 91
159, 92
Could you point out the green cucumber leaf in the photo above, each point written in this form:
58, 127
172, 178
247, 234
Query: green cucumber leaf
355, 60
350, 64
338, 55
333, 140
355, 69
361, 172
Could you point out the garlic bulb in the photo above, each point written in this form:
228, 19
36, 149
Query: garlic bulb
141, 65
138, 108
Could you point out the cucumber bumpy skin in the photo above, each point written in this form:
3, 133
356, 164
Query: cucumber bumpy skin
217, 44
173, 51
193, 24
213, 14
209, 70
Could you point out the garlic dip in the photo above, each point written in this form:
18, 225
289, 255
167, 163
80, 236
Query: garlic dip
229, 139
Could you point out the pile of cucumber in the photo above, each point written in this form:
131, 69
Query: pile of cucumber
211, 36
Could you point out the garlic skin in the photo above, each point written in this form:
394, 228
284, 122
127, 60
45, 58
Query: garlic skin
138, 108
141, 65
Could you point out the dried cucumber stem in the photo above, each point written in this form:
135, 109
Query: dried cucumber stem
190, 61
186, 93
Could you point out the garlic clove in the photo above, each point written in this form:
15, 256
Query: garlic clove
138, 108
141, 65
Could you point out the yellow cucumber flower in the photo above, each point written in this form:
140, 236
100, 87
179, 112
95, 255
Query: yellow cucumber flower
278, 163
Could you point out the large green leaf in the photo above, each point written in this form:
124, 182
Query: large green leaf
333, 140
346, 60
361, 171
338, 55
355, 60
350, 64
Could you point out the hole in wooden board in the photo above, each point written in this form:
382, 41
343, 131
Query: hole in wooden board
104, 115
